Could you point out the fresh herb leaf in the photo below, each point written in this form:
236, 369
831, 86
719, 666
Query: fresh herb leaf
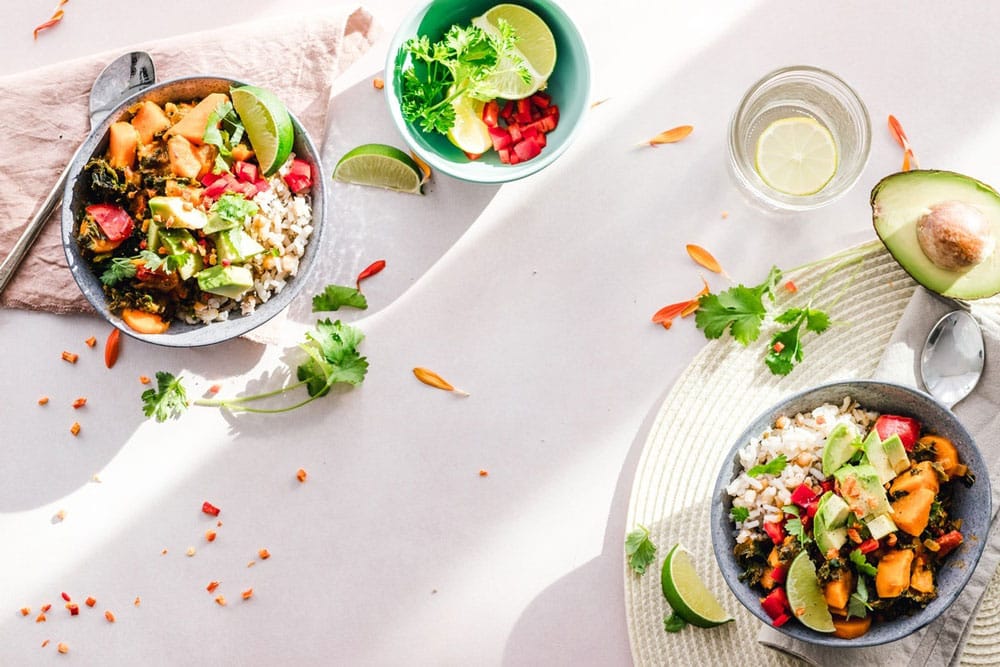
795, 527
772, 467
119, 269
333, 357
791, 509
739, 309
169, 399
335, 296
857, 604
224, 131
861, 563
817, 321
739, 514
151, 260
234, 207
786, 348
673, 623
640, 550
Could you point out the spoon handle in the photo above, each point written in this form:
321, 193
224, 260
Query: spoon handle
20, 250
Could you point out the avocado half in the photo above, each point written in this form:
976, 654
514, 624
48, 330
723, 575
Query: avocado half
902, 203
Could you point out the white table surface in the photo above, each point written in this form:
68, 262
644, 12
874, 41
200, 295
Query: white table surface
534, 296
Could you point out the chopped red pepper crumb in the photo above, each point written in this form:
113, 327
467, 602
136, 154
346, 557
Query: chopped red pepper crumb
90, 601
212, 585
45, 608
300, 475
46, 643
91, 342
70, 357
779, 346
210, 535
43, 400
163, 553
40, 618
791, 287
65, 596
62, 647
247, 594
214, 389
220, 600
264, 554
74, 608
144, 379
483, 473
137, 601
209, 508
79, 403
378, 83
218, 524
75, 428
25, 611
110, 616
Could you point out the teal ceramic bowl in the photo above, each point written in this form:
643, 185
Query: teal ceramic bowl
569, 87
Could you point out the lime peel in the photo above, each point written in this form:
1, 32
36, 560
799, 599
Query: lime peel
687, 593
379, 165
268, 126
805, 596
796, 156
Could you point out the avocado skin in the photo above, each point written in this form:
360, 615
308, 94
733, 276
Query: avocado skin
900, 238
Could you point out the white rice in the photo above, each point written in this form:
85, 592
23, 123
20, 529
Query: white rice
800, 439
283, 226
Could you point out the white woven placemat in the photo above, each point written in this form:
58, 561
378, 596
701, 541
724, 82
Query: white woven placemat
722, 390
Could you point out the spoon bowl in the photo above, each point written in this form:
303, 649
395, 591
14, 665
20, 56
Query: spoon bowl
952, 360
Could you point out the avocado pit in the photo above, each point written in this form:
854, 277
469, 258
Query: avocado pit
955, 236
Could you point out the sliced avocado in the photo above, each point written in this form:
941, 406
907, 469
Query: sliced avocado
182, 244
174, 212
231, 281
153, 235
834, 510
942, 228
881, 526
217, 223
896, 453
828, 523
862, 491
235, 245
877, 458
191, 263
838, 449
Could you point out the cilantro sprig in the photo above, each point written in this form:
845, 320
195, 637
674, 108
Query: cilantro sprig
640, 549
463, 62
333, 297
739, 514
861, 563
772, 467
332, 358
858, 605
224, 131
118, 269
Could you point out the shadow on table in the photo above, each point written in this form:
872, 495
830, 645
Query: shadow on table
365, 224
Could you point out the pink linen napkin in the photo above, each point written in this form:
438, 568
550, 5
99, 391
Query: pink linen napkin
941, 642
46, 114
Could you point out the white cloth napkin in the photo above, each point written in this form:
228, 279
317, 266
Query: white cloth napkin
941, 642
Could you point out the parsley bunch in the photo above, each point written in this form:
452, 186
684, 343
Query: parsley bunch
332, 351
462, 63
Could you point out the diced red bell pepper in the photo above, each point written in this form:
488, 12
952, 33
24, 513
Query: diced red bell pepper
907, 428
776, 603
299, 177
514, 159
868, 546
245, 172
529, 132
472, 156
215, 190
542, 141
491, 113
116, 224
541, 100
827, 485
501, 138
210, 178
812, 507
260, 185
504, 154
781, 620
774, 530
508, 110
209, 508
515, 132
948, 542
803, 495
778, 573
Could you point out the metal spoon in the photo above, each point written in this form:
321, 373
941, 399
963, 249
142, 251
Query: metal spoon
125, 75
953, 356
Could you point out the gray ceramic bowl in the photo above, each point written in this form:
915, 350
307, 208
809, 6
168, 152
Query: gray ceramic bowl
181, 334
972, 505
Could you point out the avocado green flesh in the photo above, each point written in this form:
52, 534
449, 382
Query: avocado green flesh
230, 281
174, 212
235, 245
863, 490
898, 201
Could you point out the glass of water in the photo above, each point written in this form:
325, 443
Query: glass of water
800, 92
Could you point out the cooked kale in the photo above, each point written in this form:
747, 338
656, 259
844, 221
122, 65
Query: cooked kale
106, 183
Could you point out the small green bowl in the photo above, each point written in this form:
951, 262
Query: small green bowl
569, 87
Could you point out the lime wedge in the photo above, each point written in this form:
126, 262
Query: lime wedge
686, 592
535, 45
380, 166
268, 126
796, 156
805, 596
469, 132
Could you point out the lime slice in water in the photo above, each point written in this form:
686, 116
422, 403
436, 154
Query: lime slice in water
687, 594
805, 596
535, 44
268, 126
380, 166
796, 156
469, 132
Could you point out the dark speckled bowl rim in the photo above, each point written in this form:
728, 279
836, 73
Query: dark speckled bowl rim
979, 497
180, 333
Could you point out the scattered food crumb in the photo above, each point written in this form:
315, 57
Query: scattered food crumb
220, 600
46, 643
75, 428
484, 473
95, 478
300, 475
62, 647
212, 585
434, 591
79, 403
209, 508
247, 594
725, 214
163, 553
215, 389
264, 554
70, 357
40, 618
25, 611
138, 601
378, 83
144, 379
251, 563
65, 596
59, 516
599, 102
91, 342
190, 551
218, 524
90, 601
43, 400
109, 616
74, 608
210, 535
45, 608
